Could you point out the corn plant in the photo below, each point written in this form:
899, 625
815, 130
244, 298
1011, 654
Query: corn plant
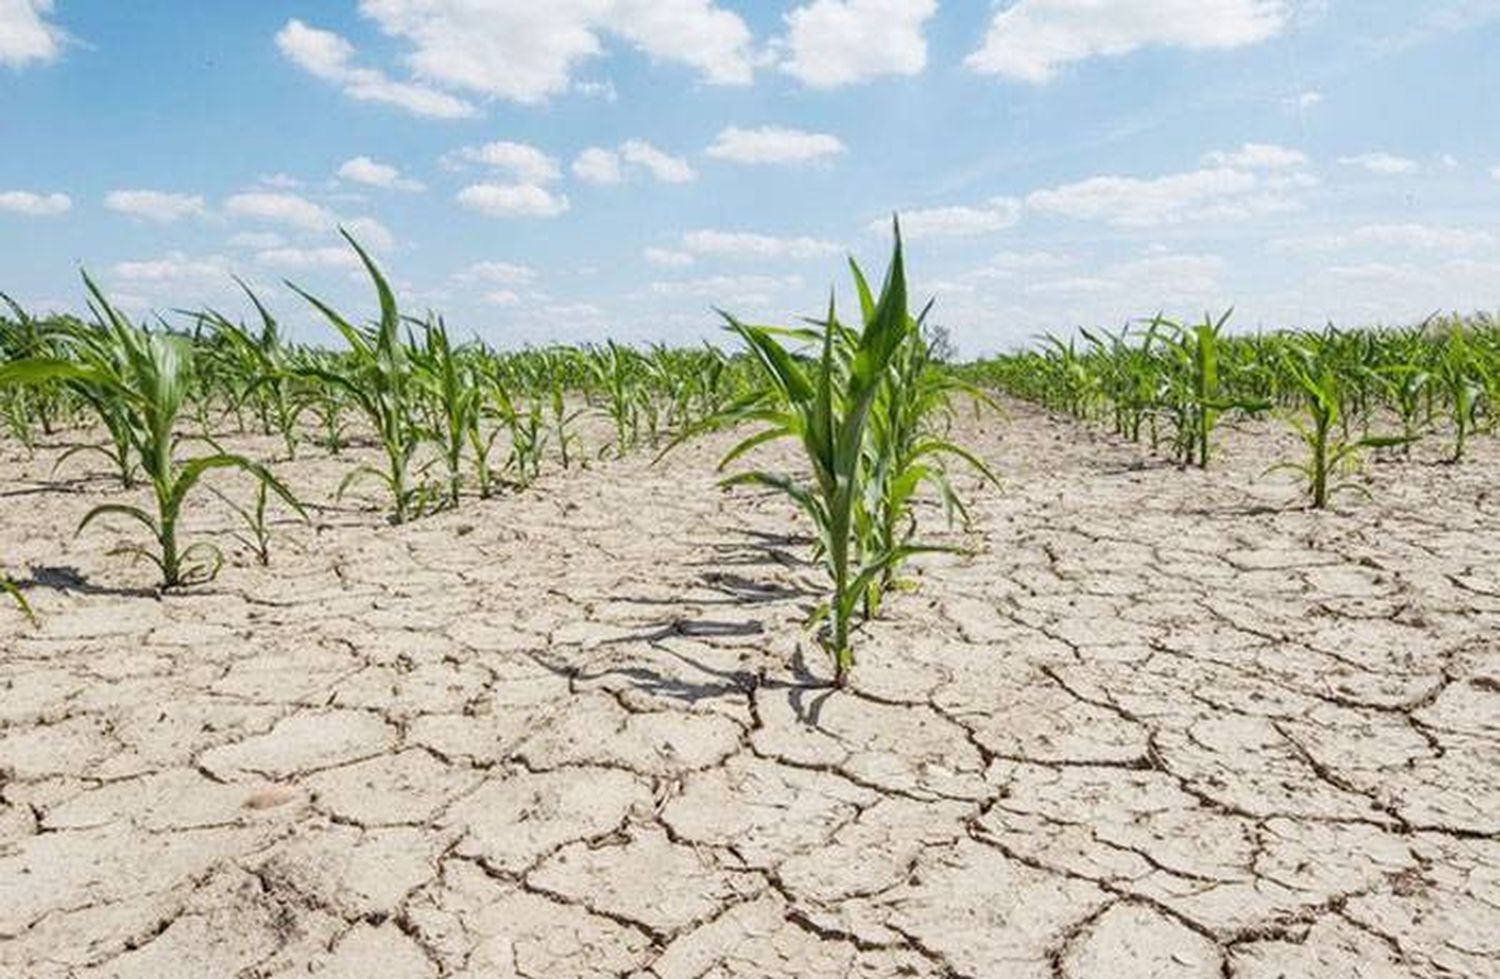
256, 537
259, 365
378, 378
456, 399
528, 435
825, 405
1461, 377
146, 379
1330, 455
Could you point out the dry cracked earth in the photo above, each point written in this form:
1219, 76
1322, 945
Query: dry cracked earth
1158, 723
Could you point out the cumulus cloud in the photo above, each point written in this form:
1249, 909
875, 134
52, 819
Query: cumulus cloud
26, 36
597, 165
522, 162
960, 221
1257, 156
497, 273
740, 244
1213, 194
513, 200
526, 52
34, 205
773, 144
329, 56
740, 290
663, 166
174, 268
1404, 236
842, 42
280, 208
321, 257
1384, 164
155, 205
363, 170
1030, 40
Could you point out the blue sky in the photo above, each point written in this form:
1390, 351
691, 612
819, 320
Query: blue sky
578, 169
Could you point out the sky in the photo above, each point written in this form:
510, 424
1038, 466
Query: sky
581, 169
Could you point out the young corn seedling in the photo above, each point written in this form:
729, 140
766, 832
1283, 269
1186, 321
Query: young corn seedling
147, 380
378, 378
527, 431
1461, 376
825, 406
456, 400
260, 367
1330, 455
1199, 350
257, 534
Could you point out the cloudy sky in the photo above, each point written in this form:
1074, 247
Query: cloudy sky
576, 169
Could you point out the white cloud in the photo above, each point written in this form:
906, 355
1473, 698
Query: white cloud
1030, 40
1216, 194
997, 214
363, 170
34, 205
697, 33
523, 162
1382, 273
513, 200
155, 205
26, 36
841, 42
498, 273
1404, 236
278, 208
743, 290
526, 51
1385, 164
325, 257
739, 244
597, 165
663, 166
326, 55
1495, 173
174, 268
502, 297
773, 144
1257, 156
668, 258
1155, 282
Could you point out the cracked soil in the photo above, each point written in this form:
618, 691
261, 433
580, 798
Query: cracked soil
1158, 723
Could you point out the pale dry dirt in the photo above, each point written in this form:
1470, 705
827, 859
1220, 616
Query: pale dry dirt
1161, 723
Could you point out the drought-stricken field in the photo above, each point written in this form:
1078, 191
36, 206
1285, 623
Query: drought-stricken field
1162, 723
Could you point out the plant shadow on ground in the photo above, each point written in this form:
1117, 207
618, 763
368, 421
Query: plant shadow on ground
758, 549
68, 579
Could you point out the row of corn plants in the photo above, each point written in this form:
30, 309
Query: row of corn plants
447, 417
1343, 393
